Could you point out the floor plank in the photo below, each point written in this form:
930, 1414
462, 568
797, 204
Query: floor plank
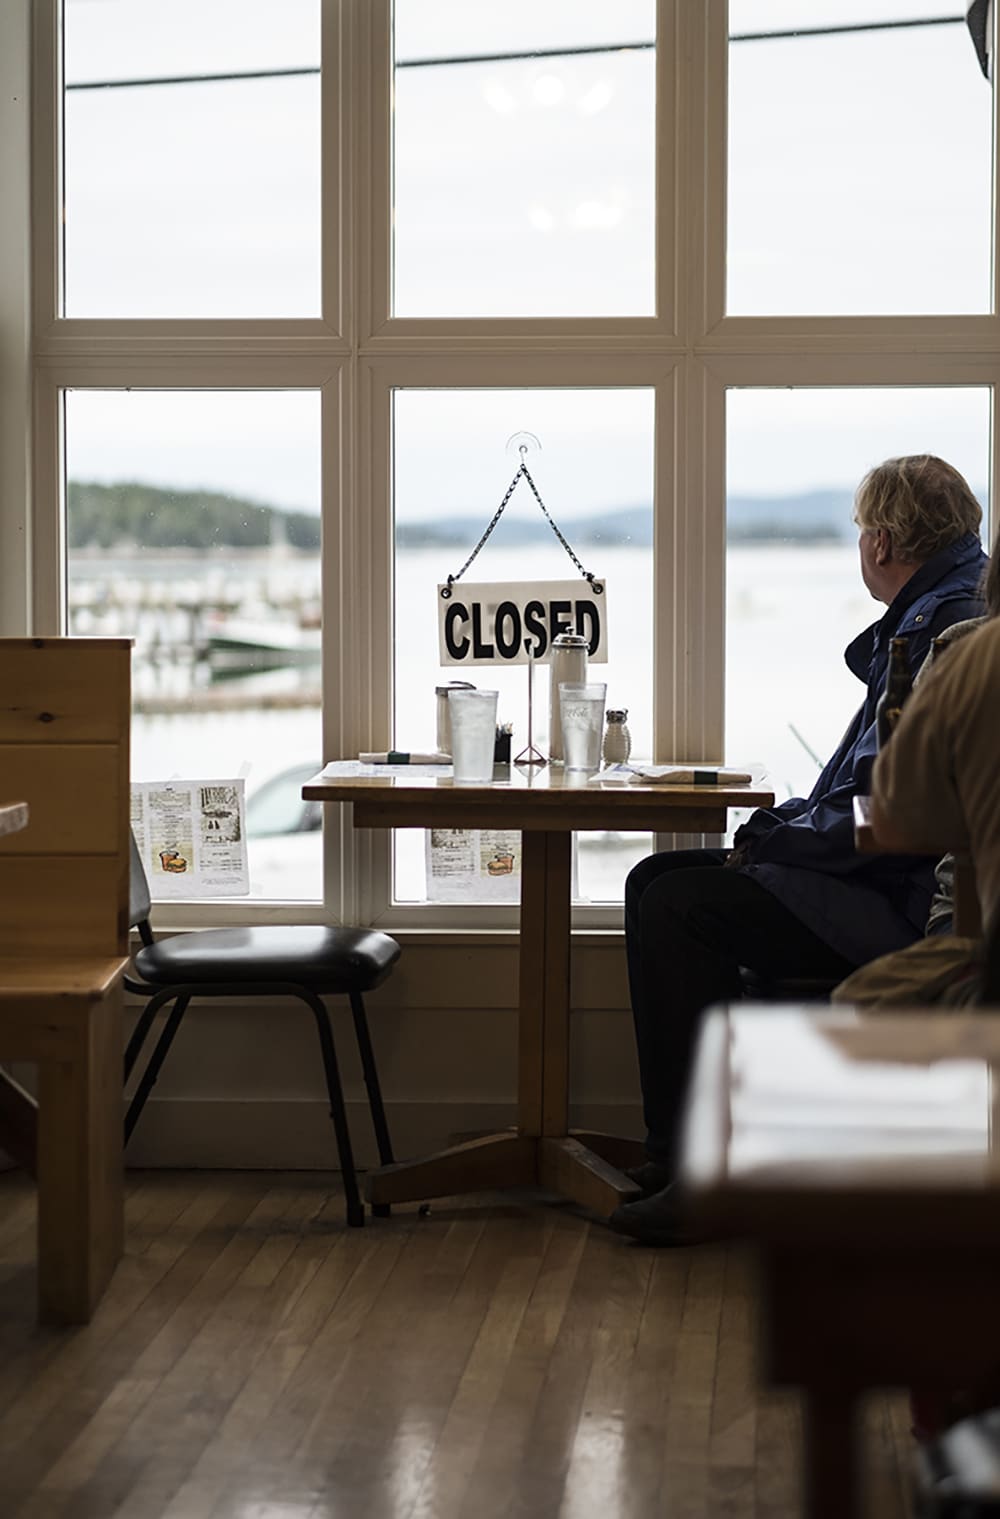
255, 1359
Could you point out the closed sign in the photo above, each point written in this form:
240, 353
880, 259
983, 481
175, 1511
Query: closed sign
504, 624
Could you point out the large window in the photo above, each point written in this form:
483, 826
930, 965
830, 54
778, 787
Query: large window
307, 275
523, 159
860, 159
193, 527
191, 137
456, 454
795, 597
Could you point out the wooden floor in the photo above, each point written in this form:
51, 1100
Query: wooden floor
254, 1359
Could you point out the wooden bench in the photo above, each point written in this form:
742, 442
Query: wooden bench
64, 752
858, 1152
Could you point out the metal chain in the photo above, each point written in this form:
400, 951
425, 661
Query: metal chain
595, 584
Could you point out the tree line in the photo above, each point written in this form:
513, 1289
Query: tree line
130, 513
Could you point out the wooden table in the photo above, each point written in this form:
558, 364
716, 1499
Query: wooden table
546, 804
858, 1150
965, 896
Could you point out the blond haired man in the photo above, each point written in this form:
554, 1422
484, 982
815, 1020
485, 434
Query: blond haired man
797, 898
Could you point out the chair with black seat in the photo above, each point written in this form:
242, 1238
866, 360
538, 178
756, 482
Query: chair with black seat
307, 962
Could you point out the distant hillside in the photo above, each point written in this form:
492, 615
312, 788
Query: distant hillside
817, 516
130, 513
147, 516
812, 517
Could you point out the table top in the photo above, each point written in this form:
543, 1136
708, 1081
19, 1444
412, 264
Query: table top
809, 1122
26, 978
522, 795
13, 816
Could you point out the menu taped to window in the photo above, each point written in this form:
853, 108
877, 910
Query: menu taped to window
192, 837
473, 864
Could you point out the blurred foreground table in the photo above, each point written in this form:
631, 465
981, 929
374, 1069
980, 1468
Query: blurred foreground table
857, 1150
546, 804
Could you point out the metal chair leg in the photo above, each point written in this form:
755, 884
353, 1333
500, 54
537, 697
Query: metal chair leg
338, 1112
370, 1070
375, 1103
142, 1027
152, 1071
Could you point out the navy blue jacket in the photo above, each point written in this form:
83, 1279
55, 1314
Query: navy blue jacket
803, 850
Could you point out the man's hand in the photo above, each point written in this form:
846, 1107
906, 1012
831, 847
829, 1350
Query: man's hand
737, 857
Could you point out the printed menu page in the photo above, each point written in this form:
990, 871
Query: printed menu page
192, 837
473, 865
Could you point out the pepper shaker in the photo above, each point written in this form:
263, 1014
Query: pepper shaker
617, 739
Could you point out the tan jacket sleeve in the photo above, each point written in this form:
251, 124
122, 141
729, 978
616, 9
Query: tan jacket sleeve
914, 777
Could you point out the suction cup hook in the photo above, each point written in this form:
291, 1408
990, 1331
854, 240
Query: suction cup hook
524, 442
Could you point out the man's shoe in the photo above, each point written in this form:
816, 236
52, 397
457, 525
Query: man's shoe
651, 1176
655, 1220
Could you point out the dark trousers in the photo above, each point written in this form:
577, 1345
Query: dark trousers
690, 923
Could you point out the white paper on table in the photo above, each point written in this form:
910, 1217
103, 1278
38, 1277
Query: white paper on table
692, 775
192, 837
345, 770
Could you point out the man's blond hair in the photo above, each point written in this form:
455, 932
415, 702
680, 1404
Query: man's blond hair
922, 502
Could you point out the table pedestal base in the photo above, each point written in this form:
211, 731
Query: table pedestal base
582, 1166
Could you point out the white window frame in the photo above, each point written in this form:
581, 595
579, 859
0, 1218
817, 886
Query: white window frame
355, 353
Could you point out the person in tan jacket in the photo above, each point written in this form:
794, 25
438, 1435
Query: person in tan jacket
935, 785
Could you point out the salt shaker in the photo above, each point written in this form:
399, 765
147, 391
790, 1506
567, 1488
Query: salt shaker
567, 662
617, 739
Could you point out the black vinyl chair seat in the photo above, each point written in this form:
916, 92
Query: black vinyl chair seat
328, 960
304, 961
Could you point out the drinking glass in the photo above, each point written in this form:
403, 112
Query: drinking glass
473, 735
581, 713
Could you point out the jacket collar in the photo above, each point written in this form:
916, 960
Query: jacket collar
965, 550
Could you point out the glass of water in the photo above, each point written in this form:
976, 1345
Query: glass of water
473, 735
581, 713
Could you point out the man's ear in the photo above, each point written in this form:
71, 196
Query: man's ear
883, 545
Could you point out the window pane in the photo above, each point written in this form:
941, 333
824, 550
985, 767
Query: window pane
594, 473
860, 160
795, 597
193, 527
191, 158
523, 158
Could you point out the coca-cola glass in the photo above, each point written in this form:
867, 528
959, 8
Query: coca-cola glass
581, 713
